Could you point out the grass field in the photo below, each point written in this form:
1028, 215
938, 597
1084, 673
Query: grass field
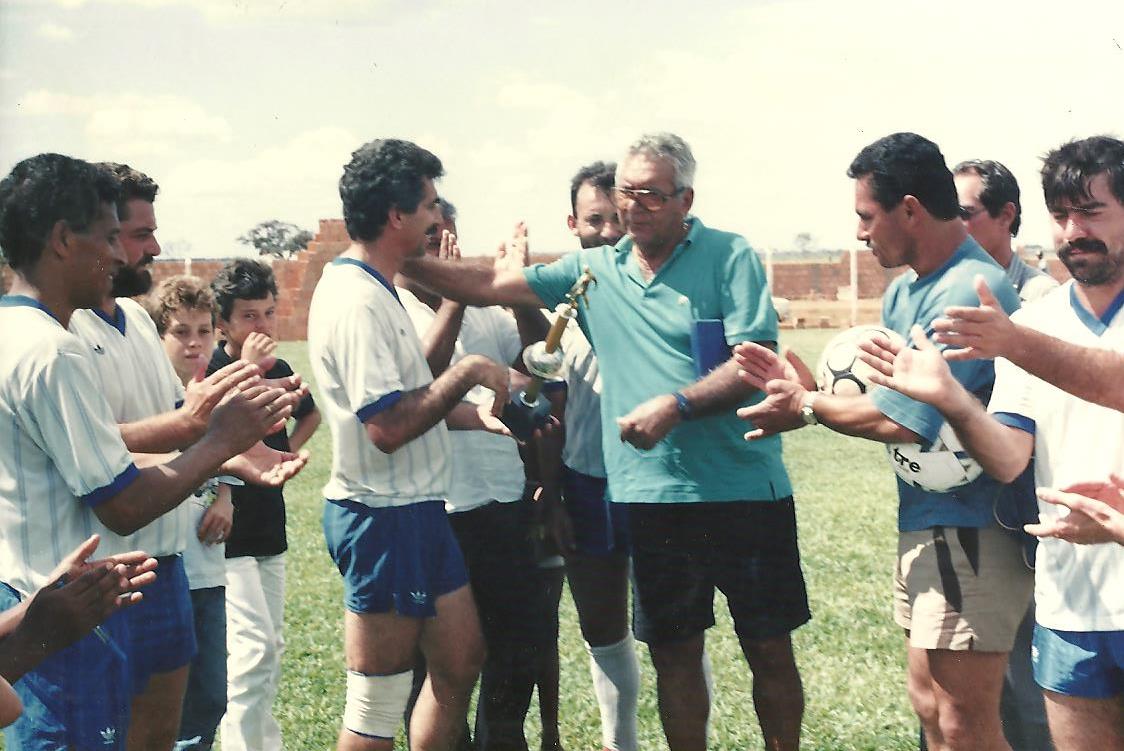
851, 655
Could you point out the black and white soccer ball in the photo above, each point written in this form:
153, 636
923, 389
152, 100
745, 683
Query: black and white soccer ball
839, 370
941, 467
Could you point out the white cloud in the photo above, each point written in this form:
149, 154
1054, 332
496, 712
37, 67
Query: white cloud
55, 32
141, 124
210, 202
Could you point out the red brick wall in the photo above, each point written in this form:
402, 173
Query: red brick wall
297, 277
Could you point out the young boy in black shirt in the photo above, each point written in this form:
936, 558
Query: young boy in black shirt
246, 297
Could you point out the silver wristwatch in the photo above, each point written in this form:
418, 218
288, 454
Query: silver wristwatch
808, 409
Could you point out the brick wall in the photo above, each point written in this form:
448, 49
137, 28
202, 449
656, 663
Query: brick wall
297, 277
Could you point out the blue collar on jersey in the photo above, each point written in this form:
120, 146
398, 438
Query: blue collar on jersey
117, 321
1097, 325
17, 301
378, 277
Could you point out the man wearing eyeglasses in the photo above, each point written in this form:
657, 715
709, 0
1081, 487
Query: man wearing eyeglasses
989, 205
706, 509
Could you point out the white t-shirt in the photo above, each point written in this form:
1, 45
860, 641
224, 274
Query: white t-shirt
60, 450
138, 382
1077, 587
205, 564
365, 355
486, 467
582, 451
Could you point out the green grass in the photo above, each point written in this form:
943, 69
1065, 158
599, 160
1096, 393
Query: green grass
851, 655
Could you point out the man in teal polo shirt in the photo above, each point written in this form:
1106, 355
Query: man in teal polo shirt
706, 509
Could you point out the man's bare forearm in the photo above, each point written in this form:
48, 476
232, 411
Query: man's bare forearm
161, 434
858, 416
719, 391
1095, 375
472, 284
1002, 451
159, 489
419, 410
440, 339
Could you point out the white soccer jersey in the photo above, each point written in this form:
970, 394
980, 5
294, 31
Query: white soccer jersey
582, 451
365, 355
60, 450
138, 382
486, 467
1077, 587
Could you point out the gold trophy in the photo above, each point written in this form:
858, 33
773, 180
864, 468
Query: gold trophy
528, 410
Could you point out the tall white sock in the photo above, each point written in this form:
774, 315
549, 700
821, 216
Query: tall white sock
616, 683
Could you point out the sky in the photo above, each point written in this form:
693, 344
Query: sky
246, 110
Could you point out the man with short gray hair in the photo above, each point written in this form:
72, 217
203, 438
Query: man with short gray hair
706, 509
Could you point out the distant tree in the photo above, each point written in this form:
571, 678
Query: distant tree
276, 238
804, 242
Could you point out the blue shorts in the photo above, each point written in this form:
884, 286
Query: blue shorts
394, 558
600, 526
1088, 664
78, 698
162, 624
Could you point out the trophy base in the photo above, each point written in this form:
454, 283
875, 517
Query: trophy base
522, 419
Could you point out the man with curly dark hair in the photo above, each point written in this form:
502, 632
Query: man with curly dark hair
405, 583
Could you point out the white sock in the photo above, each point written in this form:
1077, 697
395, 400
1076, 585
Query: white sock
616, 683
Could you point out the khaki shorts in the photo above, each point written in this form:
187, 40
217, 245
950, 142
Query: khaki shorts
961, 588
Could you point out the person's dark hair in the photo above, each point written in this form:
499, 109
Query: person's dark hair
601, 175
382, 175
43, 190
998, 187
242, 279
906, 164
132, 184
179, 292
1067, 170
448, 210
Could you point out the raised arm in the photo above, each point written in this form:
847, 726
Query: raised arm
1095, 375
471, 283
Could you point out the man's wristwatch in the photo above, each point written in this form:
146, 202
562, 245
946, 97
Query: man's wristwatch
683, 405
808, 409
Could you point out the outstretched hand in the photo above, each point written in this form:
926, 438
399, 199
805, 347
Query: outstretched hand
758, 365
920, 373
262, 465
1096, 513
778, 412
515, 254
978, 332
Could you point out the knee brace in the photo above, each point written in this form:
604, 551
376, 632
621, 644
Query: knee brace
375, 703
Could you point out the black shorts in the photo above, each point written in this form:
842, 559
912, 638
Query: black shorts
747, 549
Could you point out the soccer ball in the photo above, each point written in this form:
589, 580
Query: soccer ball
942, 467
840, 371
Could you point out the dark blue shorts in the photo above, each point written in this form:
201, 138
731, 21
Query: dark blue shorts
600, 526
682, 552
78, 698
394, 558
162, 624
1088, 664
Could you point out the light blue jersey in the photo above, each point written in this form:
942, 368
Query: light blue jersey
911, 300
